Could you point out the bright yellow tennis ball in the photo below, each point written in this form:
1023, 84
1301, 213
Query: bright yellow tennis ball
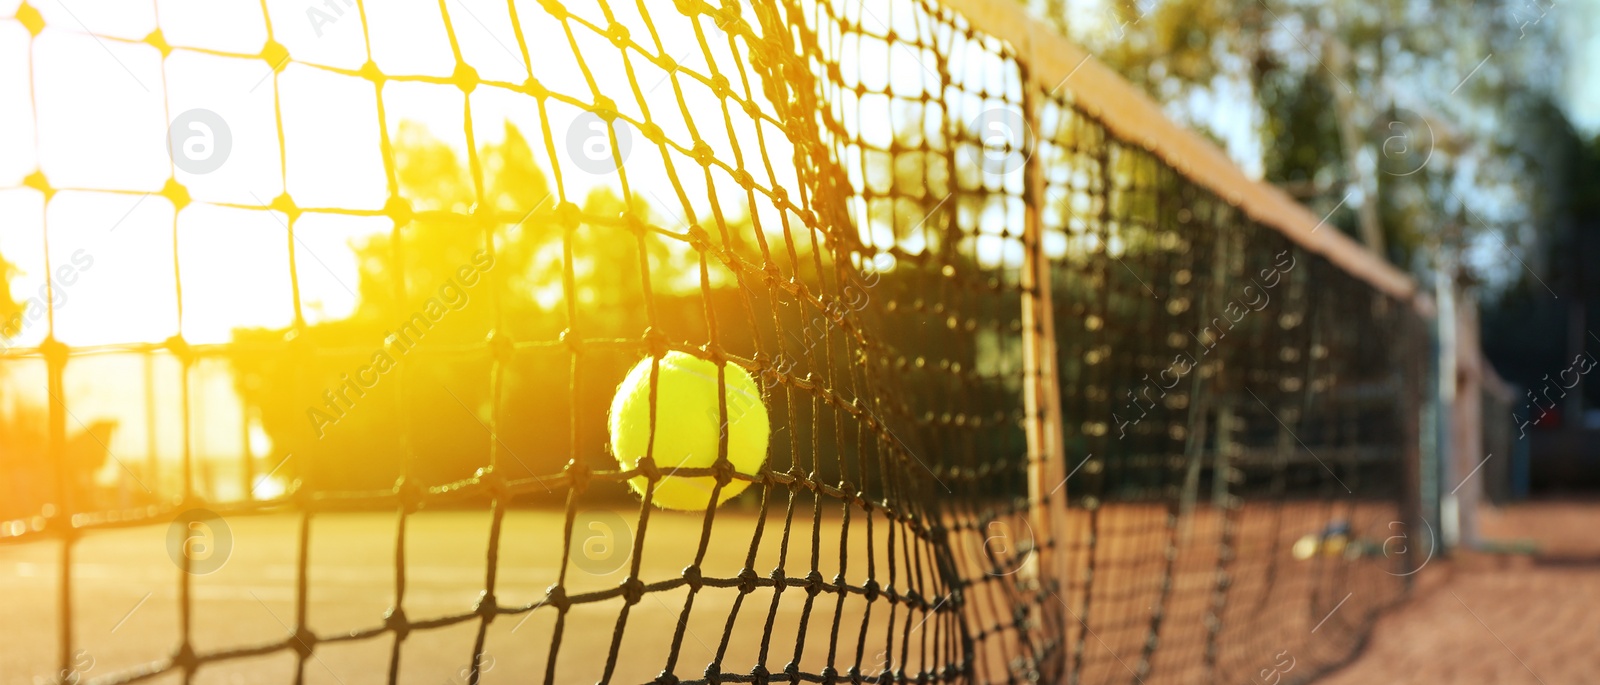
1305, 547
1334, 545
688, 425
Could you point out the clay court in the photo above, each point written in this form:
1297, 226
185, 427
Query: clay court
127, 605
1498, 618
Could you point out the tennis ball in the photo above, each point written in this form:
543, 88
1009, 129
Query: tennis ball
688, 426
1305, 547
1334, 545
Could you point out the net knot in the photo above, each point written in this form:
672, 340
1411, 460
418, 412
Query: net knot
556, 596
395, 621
851, 493
703, 153
409, 493
797, 476
285, 204
723, 470
829, 675
605, 108
185, 658
666, 679
698, 238
833, 307
760, 675
772, 369
30, 18
632, 591
465, 77
495, 482
646, 466
656, 342
870, 590
500, 346
1019, 617
568, 215
730, 14
691, 575
38, 181
535, 89
398, 210
814, 583
747, 581
914, 599
302, 641
634, 224
573, 341
176, 194
371, 72
618, 35
176, 345
554, 8
55, 352
578, 475
275, 55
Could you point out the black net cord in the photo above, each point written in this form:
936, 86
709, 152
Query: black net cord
900, 394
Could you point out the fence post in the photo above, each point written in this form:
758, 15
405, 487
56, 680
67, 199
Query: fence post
1419, 494
1445, 505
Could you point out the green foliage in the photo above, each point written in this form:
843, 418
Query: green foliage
1311, 67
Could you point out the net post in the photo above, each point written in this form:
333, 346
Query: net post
1041, 394
55, 371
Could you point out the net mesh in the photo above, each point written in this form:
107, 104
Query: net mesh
850, 203
1226, 396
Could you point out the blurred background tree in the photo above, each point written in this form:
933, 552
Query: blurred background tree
1431, 131
443, 405
436, 422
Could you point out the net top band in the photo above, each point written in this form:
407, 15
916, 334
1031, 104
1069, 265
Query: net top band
1056, 65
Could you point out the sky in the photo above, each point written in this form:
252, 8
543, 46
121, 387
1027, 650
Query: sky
1581, 33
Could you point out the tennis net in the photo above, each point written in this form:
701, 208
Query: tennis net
1058, 394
